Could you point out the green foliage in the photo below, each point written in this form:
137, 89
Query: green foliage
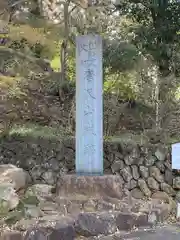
124, 85
120, 56
158, 27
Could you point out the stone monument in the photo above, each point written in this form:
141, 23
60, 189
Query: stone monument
89, 105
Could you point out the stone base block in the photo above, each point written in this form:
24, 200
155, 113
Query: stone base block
91, 186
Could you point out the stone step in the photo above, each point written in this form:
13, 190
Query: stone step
84, 224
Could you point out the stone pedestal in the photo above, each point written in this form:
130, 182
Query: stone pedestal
91, 186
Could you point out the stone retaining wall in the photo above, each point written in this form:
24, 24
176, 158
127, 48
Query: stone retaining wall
144, 170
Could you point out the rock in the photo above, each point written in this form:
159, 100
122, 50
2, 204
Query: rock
129, 160
161, 211
178, 196
118, 156
104, 206
74, 208
137, 193
64, 232
135, 172
32, 211
155, 172
31, 204
16, 176
107, 163
11, 235
36, 234
41, 191
176, 183
167, 188
168, 165
61, 229
109, 158
49, 177
117, 166
172, 206
160, 165
130, 185
149, 161
160, 154
144, 172
135, 153
109, 171
126, 174
93, 224
9, 200
127, 221
168, 177
161, 196
144, 188
152, 184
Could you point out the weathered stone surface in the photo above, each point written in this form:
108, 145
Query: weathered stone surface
155, 172
160, 154
139, 161
144, 188
74, 208
135, 172
117, 166
176, 182
149, 161
168, 177
41, 191
65, 232
131, 184
129, 160
31, 211
90, 205
118, 156
127, 221
36, 234
168, 164
48, 227
172, 206
11, 235
178, 196
161, 212
152, 184
135, 152
160, 165
107, 163
91, 224
137, 193
105, 206
14, 175
8, 198
161, 195
144, 171
97, 186
126, 174
168, 189
49, 177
